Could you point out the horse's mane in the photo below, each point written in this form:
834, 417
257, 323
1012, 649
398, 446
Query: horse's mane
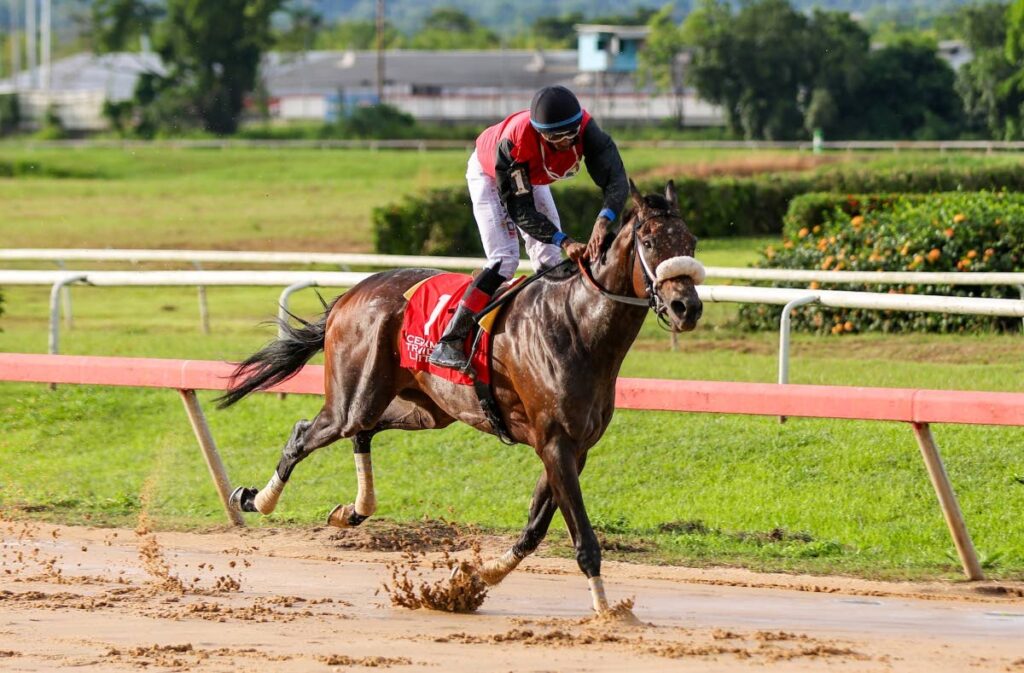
653, 202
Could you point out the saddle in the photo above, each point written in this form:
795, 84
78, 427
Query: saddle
432, 303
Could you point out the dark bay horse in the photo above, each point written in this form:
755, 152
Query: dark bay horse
557, 350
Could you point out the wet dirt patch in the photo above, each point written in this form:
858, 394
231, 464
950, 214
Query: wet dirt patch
1002, 591
684, 527
773, 535
369, 662
625, 545
618, 613
184, 656
761, 646
458, 589
423, 536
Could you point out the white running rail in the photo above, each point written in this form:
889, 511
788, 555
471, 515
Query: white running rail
296, 280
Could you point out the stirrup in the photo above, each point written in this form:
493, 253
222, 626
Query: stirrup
449, 356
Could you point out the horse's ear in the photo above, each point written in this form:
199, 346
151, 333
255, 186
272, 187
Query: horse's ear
638, 198
671, 197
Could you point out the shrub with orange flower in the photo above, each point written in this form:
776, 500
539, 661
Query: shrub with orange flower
903, 236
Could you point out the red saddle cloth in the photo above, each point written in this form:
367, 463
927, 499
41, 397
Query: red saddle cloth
432, 304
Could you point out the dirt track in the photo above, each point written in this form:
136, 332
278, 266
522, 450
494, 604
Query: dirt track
117, 599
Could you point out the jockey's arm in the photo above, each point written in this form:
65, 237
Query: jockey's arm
606, 170
516, 194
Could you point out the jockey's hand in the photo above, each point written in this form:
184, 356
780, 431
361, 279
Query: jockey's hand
574, 249
597, 238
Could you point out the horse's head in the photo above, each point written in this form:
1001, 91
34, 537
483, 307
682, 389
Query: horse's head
664, 258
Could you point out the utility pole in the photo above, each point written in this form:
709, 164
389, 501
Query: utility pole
46, 23
15, 20
380, 51
30, 42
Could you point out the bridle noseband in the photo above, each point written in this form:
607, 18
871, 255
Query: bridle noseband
686, 266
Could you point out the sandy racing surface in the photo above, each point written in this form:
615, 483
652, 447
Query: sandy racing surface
311, 600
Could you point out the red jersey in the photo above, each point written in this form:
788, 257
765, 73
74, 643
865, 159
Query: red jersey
545, 163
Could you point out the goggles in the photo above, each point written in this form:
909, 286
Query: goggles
561, 136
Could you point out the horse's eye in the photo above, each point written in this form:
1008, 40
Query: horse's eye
647, 244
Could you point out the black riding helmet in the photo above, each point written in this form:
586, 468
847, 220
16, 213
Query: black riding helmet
555, 110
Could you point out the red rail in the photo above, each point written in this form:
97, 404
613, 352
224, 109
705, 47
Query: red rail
765, 399
918, 407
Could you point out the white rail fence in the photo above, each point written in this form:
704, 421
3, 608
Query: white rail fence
347, 260
424, 145
293, 281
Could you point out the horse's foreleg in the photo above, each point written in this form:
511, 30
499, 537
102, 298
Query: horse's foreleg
353, 514
542, 509
563, 466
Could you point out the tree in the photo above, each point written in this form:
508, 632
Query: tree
909, 93
708, 30
755, 64
118, 24
448, 28
357, 35
211, 52
659, 58
556, 31
990, 85
838, 49
304, 26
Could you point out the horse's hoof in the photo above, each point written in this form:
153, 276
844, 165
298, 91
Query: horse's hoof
345, 516
243, 499
465, 568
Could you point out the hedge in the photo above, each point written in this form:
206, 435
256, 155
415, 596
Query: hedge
440, 222
982, 231
10, 113
24, 168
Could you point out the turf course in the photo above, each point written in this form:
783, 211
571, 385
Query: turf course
820, 496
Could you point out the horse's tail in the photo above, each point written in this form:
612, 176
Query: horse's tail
278, 361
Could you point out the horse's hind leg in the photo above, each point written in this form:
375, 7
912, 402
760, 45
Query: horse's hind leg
353, 514
417, 412
542, 509
307, 437
359, 390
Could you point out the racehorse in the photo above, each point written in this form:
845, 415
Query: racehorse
556, 354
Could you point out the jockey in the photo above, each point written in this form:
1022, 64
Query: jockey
509, 176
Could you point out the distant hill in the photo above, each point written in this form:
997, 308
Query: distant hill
70, 16
408, 15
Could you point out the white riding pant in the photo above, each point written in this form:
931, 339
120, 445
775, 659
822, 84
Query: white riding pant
498, 231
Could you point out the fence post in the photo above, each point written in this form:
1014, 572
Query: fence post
69, 319
784, 325
213, 461
947, 500
55, 292
204, 310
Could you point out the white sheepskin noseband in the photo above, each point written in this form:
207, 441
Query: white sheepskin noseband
674, 267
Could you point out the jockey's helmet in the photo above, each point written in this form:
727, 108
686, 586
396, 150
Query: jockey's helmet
555, 111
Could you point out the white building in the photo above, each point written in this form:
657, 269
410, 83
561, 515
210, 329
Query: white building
460, 86
79, 85
463, 87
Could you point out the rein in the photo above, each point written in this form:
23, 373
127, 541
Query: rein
621, 298
652, 300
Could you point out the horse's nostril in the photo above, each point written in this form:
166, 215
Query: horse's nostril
678, 308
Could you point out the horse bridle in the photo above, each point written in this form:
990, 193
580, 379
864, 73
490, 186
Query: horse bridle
653, 301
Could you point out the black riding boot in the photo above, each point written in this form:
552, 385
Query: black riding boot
450, 350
